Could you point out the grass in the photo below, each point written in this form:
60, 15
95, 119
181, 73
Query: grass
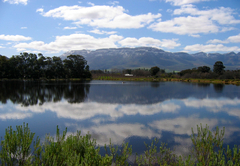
214, 81
83, 150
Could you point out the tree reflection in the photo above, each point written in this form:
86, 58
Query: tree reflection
204, 85
155, 84
218, 88
33, 93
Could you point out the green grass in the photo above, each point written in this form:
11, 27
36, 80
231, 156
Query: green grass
83, 150
199, 80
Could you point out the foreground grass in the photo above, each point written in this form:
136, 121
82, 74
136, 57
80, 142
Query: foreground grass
82, 150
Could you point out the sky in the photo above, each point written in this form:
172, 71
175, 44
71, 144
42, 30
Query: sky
52, 27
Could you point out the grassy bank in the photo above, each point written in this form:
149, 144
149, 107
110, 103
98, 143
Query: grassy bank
122, 78
215, 81
45, 79
82, 150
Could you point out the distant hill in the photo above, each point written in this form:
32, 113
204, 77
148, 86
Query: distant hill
122, 58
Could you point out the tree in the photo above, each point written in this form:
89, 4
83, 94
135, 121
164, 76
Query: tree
75, 66
3, 66
154, 70
87, 72
57, 67
203, 69
218, 67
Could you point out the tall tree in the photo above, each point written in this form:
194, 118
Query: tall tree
154, 70
218, 67
58, 67
75, 66
3, 66
203, 69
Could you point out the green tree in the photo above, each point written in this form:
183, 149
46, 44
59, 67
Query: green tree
218, 67
58, 67
75, 66
3, 66
203, 69
87, 72
154, 70
13, 68
48, 72
41, 64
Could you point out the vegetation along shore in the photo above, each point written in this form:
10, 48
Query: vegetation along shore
202, 74
28, 66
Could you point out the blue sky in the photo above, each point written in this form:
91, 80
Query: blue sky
53, 27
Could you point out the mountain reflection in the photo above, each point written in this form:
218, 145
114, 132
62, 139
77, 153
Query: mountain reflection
33, 92
154, 92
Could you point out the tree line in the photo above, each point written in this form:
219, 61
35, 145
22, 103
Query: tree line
218, 72
140, 72
203, 72
32, 66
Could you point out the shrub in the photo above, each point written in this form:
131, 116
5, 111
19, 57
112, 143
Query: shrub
82, 150
15, 148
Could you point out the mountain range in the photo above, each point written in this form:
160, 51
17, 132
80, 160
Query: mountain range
147, 57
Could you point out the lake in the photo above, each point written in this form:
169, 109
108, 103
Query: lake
134, 112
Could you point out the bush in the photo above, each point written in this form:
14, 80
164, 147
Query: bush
15, 148
82, 150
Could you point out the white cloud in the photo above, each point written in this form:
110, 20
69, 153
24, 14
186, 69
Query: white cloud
40, 10
16, 1
113, 3
186, 25
197, 21
97, 31
195, 35
71, 42
2, 47
231, 39
70, 28
101, 16
14, 37
222, 15
184, 2
23, 27
217, 41
234, 39
148, 41
211, 48
90, 3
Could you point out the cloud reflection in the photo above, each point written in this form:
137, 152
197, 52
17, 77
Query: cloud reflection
117, 132
84, 111
87, 110
182, 125
211, 103
18, 115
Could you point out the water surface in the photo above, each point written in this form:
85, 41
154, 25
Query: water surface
133, 112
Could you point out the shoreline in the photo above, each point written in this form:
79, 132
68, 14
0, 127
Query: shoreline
193, 80
150, 79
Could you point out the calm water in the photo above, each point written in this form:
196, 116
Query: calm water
133, 112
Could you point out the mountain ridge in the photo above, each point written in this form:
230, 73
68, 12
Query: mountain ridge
146, 57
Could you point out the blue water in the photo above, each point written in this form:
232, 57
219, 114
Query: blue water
134, 112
